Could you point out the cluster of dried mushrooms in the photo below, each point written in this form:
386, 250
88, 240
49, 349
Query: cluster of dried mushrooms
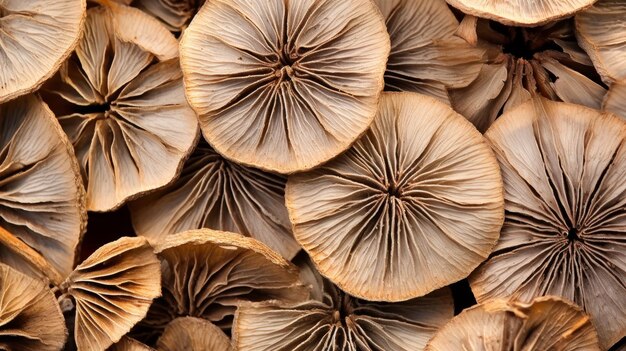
313, 175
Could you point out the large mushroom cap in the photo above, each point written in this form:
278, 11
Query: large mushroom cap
42, 200
521, 12
563, 167
30, 317
417, 200
213, 192
547, 323
121, 100
284, 85
193, 334
36, 36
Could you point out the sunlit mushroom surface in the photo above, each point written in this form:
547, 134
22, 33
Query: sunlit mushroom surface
563, 167
193, 334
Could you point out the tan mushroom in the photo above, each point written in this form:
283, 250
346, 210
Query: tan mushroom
213, 192
120, 98
36, 37
30, 317
615, 99
193, 334
129, 344
563, 167
284, 85
414, 205
175, 14
546, 323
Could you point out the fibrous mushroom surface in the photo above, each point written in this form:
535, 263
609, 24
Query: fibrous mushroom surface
615, 99
193, 334
175, 14
129, 344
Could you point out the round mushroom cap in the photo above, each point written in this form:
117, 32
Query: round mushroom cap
30, 317
521, 12
615, 99
193, 334
36, 37
284, 85
213, 192
563, 168
42, 200
120, 98
418, 200
546, 323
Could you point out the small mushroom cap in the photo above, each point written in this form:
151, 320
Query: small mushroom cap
193, 334
113, 289
392, 203
546, 323
284, 85
36, 37
563, 167
30, 317
129, 344
521, 12
615, 99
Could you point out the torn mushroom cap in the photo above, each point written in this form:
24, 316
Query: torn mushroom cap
426, 57
30, 317
193, 334
206, 273
546, 323
121, 100
392, 203
42, 200
36, 37
129, 344
521, 12
175, 14
213, 192
615, 99
284, 85
563, 167
112, 290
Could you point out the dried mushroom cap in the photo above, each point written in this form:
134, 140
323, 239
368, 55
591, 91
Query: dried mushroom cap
42, 200
121, 100
521, 12
547, 323
601, 31
563, 167
175, 14
426, 57
30, 317
213, 192
193, 334
112, 290
284, 85
392, 203
129, 344
615, 99
36, 36
206, 273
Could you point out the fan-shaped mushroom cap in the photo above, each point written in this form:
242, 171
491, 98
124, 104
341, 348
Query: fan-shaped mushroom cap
175, 14
393, 203
426, 56
521, 12
284, 85
113, 289
36, 36
193, 334
206, 273
129, 344
615, 99
42, 200
215, 193
121, 100
547, 323
563, 167
30, 317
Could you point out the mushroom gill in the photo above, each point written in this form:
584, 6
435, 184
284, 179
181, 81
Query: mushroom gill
175, 14
129, 344
193, 334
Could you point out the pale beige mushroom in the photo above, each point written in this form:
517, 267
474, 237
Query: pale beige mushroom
284, 85
193, 334
615, 99
129, 344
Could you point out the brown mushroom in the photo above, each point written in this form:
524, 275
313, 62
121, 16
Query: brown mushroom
30, 317
563, 167
175, 14
615, 99
284, 85
129, 344
417, 201
193, 334
213, 192
120, 98
546, 323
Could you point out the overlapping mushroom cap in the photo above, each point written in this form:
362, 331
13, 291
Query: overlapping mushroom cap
193, 334
284, 85
615, 99
36, 37
129, 344
563, 168
546, 323
417, 200
175, 14
213, 192
120, 98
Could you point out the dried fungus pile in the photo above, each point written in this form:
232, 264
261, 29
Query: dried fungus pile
312, 175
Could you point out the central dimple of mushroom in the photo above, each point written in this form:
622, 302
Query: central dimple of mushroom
286, 65
572, 235
343, 311
521, 43
394, 190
